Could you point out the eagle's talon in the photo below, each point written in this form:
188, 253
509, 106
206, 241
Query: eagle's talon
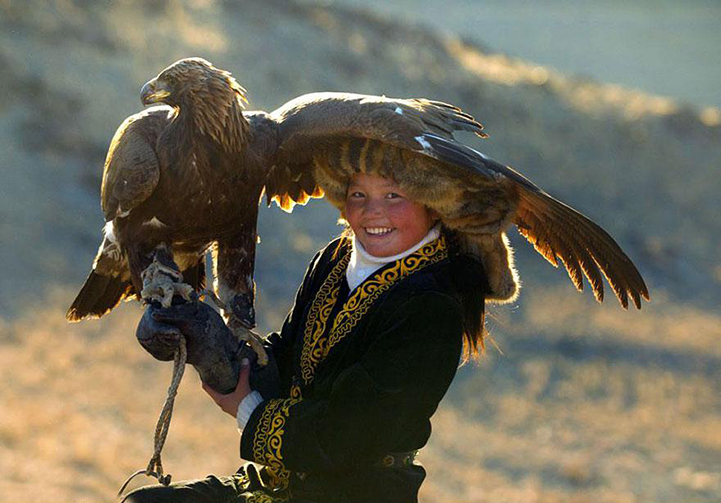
161, 283
243, 311
213, 297
257, 344
254, 340
185, 290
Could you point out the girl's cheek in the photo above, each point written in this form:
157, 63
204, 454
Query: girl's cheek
351, 206
398, 208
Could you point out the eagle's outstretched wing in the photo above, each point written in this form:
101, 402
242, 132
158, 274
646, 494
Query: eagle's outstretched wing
325, 138
557, 231
315, 124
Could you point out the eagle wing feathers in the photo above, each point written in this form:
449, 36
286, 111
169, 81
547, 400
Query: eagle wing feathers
558, 232
131, 170
314, 124
324, 138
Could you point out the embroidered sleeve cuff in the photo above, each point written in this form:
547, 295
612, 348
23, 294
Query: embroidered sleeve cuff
246, 408
262, 440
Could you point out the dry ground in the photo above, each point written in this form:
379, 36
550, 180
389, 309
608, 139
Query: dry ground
628, 411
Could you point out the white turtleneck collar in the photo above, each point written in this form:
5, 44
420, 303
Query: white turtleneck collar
362, 264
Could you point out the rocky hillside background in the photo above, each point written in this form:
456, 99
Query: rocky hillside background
585, 402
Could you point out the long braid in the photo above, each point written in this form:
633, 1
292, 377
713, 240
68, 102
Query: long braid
469, 279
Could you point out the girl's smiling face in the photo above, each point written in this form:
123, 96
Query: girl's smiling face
383, 219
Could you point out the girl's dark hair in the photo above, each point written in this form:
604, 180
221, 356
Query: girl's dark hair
469, 279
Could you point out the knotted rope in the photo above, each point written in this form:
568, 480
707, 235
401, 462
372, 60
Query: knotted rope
155, 466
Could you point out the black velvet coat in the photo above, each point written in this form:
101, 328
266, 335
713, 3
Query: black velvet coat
362, 373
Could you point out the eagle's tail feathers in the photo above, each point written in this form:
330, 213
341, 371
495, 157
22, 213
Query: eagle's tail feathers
99, 295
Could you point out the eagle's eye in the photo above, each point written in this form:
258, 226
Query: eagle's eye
166, 81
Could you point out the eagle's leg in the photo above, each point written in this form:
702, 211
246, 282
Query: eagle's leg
234, 263
254, 340
162, 280
240, 328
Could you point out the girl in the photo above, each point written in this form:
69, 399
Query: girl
369, 349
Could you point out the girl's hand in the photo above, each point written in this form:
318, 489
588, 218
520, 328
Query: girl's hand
230, 402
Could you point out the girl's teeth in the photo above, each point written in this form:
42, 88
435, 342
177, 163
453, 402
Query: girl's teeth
378, 230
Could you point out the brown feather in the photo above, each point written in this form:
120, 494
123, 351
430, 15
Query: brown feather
586, 245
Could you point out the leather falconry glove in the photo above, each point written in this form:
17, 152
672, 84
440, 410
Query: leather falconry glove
212, 348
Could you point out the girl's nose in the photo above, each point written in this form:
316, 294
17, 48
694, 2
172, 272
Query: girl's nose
373, 207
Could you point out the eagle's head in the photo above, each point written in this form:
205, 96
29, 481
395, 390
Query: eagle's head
189, 80
211, 95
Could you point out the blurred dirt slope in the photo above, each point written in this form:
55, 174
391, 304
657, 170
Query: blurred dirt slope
588, 403
660, 46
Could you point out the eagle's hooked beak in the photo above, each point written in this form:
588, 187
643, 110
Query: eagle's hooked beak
153, 92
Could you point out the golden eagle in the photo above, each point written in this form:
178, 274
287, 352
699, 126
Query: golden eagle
187, 176
180, 179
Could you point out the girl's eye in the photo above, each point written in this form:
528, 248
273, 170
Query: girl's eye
356, 194
393, 195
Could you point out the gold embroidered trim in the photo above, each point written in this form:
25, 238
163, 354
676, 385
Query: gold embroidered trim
268, 440
325, 299
243, 483
262, 497
371, 289
316, 347
295, 391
